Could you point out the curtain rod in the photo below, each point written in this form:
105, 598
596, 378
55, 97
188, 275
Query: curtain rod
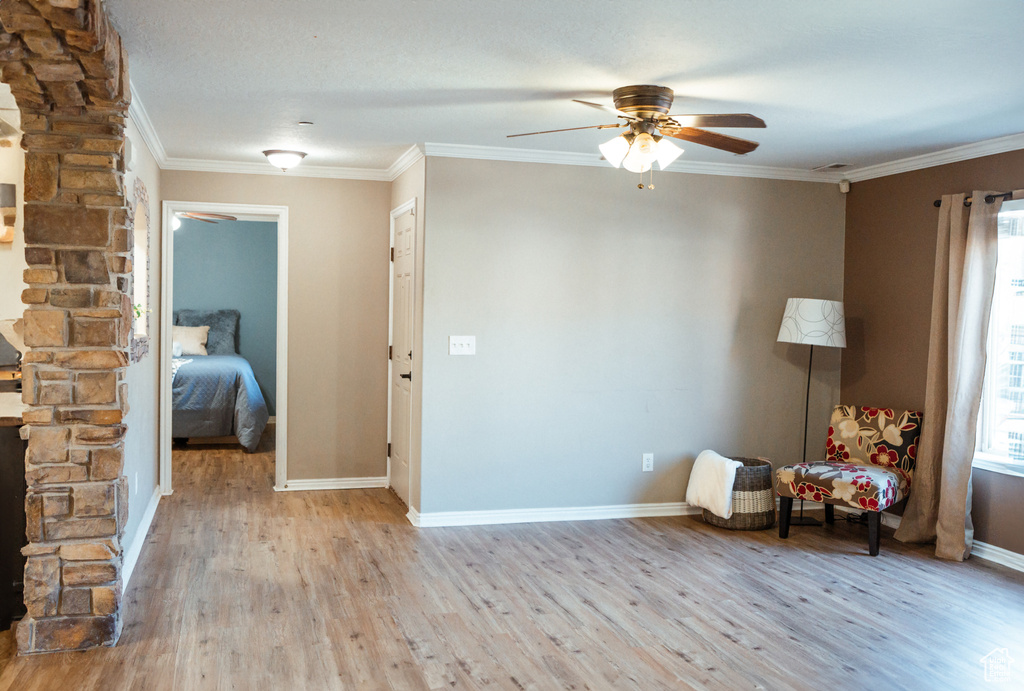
989, 198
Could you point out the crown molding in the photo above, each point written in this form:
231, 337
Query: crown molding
988, 147
404, 162
740, 170
137, 113
499, 153
252, 168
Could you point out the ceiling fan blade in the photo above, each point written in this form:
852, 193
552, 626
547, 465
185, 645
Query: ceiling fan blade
713, 139
607, 109
197, 218
203, 214
718, 120
569, 129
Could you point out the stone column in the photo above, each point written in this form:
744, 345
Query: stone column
67, 70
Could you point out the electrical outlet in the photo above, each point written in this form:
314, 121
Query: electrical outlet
648, 462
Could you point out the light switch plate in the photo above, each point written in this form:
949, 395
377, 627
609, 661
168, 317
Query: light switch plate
462, 345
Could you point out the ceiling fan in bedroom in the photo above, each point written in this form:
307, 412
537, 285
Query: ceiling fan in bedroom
644, 110
199, 216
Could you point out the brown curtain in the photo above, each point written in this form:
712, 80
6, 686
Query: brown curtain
939, 507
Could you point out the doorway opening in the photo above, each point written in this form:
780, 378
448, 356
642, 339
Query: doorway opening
207, 343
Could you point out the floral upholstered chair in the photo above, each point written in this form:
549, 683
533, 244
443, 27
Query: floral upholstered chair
870, 466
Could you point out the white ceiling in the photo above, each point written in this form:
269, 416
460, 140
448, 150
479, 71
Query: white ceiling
862, 83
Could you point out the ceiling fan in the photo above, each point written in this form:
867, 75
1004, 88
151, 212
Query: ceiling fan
644, 109
205, 217
199, 216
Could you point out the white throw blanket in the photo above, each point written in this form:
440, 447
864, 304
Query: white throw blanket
711, 481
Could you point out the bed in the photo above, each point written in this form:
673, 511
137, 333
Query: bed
216, 395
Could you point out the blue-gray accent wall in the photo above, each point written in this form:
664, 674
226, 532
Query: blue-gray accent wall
233, 265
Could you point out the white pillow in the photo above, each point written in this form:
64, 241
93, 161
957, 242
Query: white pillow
191, 338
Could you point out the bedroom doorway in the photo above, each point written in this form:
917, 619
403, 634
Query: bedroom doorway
223, 366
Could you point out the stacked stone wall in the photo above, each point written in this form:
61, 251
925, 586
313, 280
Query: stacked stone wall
68, 72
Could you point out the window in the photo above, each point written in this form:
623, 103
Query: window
1001, 423
1011, 378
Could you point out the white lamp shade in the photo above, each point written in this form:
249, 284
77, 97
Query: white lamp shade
643, 152
814, 322
614, 150
667, 153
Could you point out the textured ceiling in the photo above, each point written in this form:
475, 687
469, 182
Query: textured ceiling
857, 82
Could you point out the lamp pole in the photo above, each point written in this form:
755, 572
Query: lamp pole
802, 519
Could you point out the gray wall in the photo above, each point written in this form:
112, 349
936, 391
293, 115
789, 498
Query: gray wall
233, 265
610, 322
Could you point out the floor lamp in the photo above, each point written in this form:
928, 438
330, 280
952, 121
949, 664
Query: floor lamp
814, 323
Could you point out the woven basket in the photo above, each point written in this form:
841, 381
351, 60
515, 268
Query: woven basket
753, 498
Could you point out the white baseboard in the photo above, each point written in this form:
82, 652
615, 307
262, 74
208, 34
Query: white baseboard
981, 550
413, 516
437, 519
333, 483
131, 555
998, 555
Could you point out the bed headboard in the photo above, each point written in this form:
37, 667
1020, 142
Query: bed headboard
223, 338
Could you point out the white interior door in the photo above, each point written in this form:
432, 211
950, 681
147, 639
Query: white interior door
401, 353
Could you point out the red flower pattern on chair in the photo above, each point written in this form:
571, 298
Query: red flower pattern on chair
870, 413
864, 469
869, 504
887, 458
837, 452
870, 465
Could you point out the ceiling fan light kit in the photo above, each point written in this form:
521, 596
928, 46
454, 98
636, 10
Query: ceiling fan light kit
644, 109
284, 159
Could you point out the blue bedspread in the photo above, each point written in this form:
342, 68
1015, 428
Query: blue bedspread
217, 396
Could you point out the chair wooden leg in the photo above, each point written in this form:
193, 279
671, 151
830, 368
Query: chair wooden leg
785, 512
874, 531
830, 513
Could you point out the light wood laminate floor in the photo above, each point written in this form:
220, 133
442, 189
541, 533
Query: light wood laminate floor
239, 587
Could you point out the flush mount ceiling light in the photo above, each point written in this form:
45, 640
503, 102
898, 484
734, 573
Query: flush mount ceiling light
644, 109
283, 159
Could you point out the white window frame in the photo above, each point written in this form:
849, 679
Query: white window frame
983, 458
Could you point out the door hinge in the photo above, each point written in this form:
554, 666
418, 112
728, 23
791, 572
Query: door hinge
392, 254
389, 449
390, 352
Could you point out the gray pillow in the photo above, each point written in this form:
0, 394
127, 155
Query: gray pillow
223, 339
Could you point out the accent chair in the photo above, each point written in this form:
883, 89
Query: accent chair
870, 466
